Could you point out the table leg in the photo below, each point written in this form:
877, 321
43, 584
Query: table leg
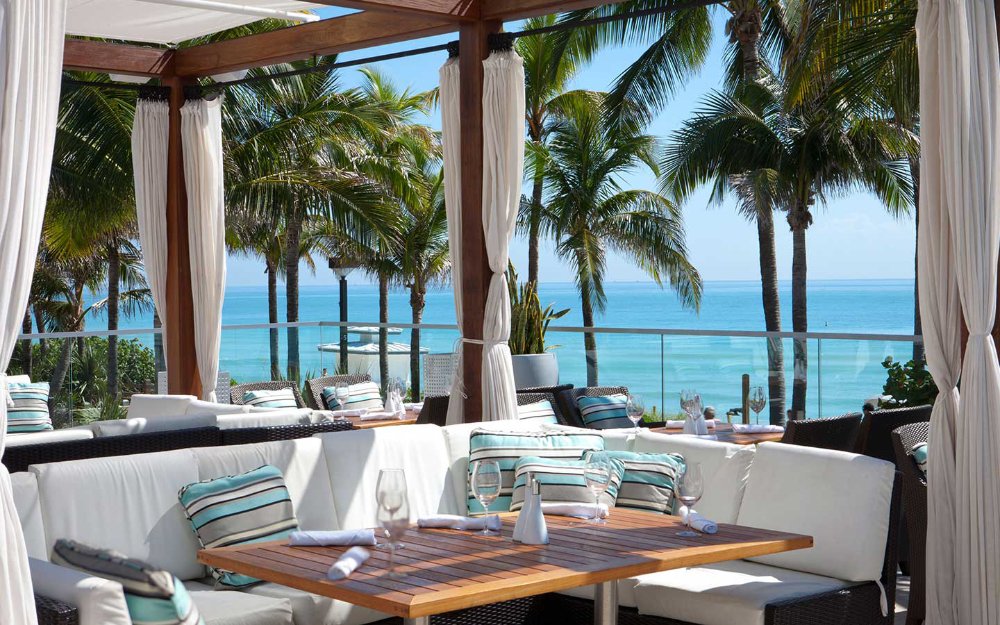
606, 603
420, 620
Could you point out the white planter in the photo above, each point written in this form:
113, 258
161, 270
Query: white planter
534, 370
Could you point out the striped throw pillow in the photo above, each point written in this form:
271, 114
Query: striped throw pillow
251, 507
282, 398
153, 596
604, 413
539, 412
562, 481
919, 455
648, 482
509, 447
363, 395
30, 412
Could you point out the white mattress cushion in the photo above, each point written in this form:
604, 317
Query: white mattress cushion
310, 609
98, 601
840, 499
140, 425
355, 458
230, 607
155, 406
725, 468
29, 512
125, 503
265, 418
49, 436
300, 461
728, 593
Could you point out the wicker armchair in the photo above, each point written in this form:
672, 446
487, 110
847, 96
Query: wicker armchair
244, 436
915, 509
569, 412
875, 438
317, 385
839, 433
236, 392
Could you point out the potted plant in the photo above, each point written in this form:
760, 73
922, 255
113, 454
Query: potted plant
534, 365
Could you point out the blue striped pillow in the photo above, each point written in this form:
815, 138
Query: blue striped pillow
919, 455
562, 481
251, 507
604, 413
363, 395
153, 596
30, 412
282, 398
509, 447
648, 481
538, 412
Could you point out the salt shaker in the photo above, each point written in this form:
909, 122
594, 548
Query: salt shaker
536, 532
522, 516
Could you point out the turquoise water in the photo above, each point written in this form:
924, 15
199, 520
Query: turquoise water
842, 374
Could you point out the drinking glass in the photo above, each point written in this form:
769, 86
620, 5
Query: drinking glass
636, 409
597, 474
691, 402
758, 399
393, 511
390, 483
343, 393
688, 490
486, 486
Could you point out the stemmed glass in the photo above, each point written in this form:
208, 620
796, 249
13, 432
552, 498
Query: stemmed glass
688, 490
690, 402
635, 409
758, 399
486, 486
393, 511
597, 474
342, 393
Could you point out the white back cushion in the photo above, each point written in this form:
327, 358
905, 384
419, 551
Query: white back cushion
127, 503
154, 406
139, 425
264, 418
199, 407
355, 458
301, 462
29, 512
842, 500
725, 468
18, 379
78, 433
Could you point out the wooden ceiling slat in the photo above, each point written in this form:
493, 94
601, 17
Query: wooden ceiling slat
508, 10
115, 58
445, 9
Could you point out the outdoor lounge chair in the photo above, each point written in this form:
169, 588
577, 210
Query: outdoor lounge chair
570, 412
317, 385
237, 392
839, 433
915, 510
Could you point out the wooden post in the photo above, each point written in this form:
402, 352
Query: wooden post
473, 50
182, 365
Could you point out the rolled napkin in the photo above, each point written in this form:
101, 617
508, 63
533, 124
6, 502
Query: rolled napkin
378, 415
679, 425
578, 510
754, 428
456, 522
698, 522
414, 407
348, 563
340, 538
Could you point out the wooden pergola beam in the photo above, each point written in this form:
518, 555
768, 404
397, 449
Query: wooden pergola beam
459, 10
332, 36
116, 58
508, 10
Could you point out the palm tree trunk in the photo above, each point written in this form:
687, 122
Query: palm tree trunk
918, 348
417, 301
26, 360
772, 316
114, 295
534, 223
589, 340
747, 31
293, 236
43, 344
272, 317
59, 373
383, 332
799, 321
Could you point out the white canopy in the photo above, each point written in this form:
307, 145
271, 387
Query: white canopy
140, 21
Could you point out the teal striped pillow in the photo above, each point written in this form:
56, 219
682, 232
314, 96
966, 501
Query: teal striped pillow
251, 507
509, 447
30, 412
538, 412
648, 482
282, 398
562, 481
919, 455
604, 413
153, 596
363, 395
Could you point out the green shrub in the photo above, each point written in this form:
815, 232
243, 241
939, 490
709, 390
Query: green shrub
908, 384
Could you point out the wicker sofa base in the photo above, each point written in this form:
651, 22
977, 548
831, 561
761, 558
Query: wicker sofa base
52, 612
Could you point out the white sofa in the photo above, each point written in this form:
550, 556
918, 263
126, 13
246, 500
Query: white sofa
129, 503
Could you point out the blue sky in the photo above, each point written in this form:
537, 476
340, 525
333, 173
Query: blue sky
852, 238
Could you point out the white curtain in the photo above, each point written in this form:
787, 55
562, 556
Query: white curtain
201, 130
503, 170
959, 234
31, 53
150, 137
451, 139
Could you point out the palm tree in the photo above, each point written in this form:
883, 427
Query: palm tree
589, 211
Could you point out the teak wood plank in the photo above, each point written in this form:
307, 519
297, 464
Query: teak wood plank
116, 58
442, 9
448, 570
508, 10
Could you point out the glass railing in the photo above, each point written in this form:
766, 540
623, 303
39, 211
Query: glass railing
841, 372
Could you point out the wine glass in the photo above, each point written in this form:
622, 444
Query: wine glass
758, 399
389, 481
486, 486
342, 393
597, 474
688, 490
393, 511
635, 409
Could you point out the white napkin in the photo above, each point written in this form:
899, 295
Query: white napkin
678, 425
698, 522
578, 510
377, 415
415, 407
456, 522
348, 563
753, 428
340, 538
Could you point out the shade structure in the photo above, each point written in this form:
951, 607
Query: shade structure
959, 231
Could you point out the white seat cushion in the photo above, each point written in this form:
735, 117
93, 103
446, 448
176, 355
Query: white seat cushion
154, 406
728, 593
300, 461
842, 500
98, 601
50, 436
725, 468
29, 512
141, 425
355, 459
230, 607
265, 418
125, 503
310, 609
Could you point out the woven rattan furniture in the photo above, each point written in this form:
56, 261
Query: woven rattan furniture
435, 409
569, 411
52, 612
839, 433
243, 436
877, 427
237, 392
317, 385
915, 509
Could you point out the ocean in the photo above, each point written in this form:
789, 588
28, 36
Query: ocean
842, 373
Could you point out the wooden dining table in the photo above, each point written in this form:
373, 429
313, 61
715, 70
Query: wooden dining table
447, 570
724, 433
